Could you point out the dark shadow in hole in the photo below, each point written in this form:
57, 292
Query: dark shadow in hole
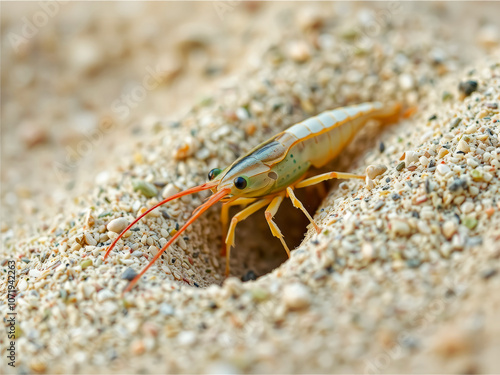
257, 251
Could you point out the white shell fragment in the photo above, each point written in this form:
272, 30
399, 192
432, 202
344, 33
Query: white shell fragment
117, 225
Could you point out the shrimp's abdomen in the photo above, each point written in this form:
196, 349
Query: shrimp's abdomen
319, 139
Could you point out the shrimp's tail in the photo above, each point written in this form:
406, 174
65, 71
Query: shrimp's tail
393, 112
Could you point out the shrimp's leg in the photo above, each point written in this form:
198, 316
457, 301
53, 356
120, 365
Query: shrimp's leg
240, 216
270, 212
298, 204
224, 217
327, 176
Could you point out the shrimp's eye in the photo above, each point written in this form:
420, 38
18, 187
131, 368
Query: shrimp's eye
214, 173
240, 182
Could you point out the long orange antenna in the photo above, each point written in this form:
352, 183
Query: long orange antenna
202, 208
192, 190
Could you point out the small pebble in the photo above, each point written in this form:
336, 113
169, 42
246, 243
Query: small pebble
381, 147
457, 184
455, 122
489, 273
423, 161
186, 338
242, 114
153, 250
22, 285
477, 174
399, 227
473, 190
406, 82
137, 347
202, 154
310, 19
410, 157
463, 146
89, 239
185, 149
471, 162
373, 171
368, 251
446, 96
147, 189
250, 275
299, 51
442, 153
296, 296
104, 294
413, 263
427, 213
166, 309
117, 225
467, 207
487, 176
428, 186
467, 87
470, 222
449, 229
169, 190
423, 227
443, 169
86, 263
38, 366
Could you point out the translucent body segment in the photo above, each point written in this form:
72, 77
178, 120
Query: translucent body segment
314, 125
352, 111
366, 107
286, 139
344, 133
339, 115
326, 119
333, 137
299, 130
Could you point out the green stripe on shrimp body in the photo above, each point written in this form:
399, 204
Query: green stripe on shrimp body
290, 169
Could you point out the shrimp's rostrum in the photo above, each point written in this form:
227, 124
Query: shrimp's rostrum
269, 172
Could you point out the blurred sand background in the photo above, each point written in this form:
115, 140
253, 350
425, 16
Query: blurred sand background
61, 78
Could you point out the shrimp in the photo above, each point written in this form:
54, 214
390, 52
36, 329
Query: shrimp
271, 171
